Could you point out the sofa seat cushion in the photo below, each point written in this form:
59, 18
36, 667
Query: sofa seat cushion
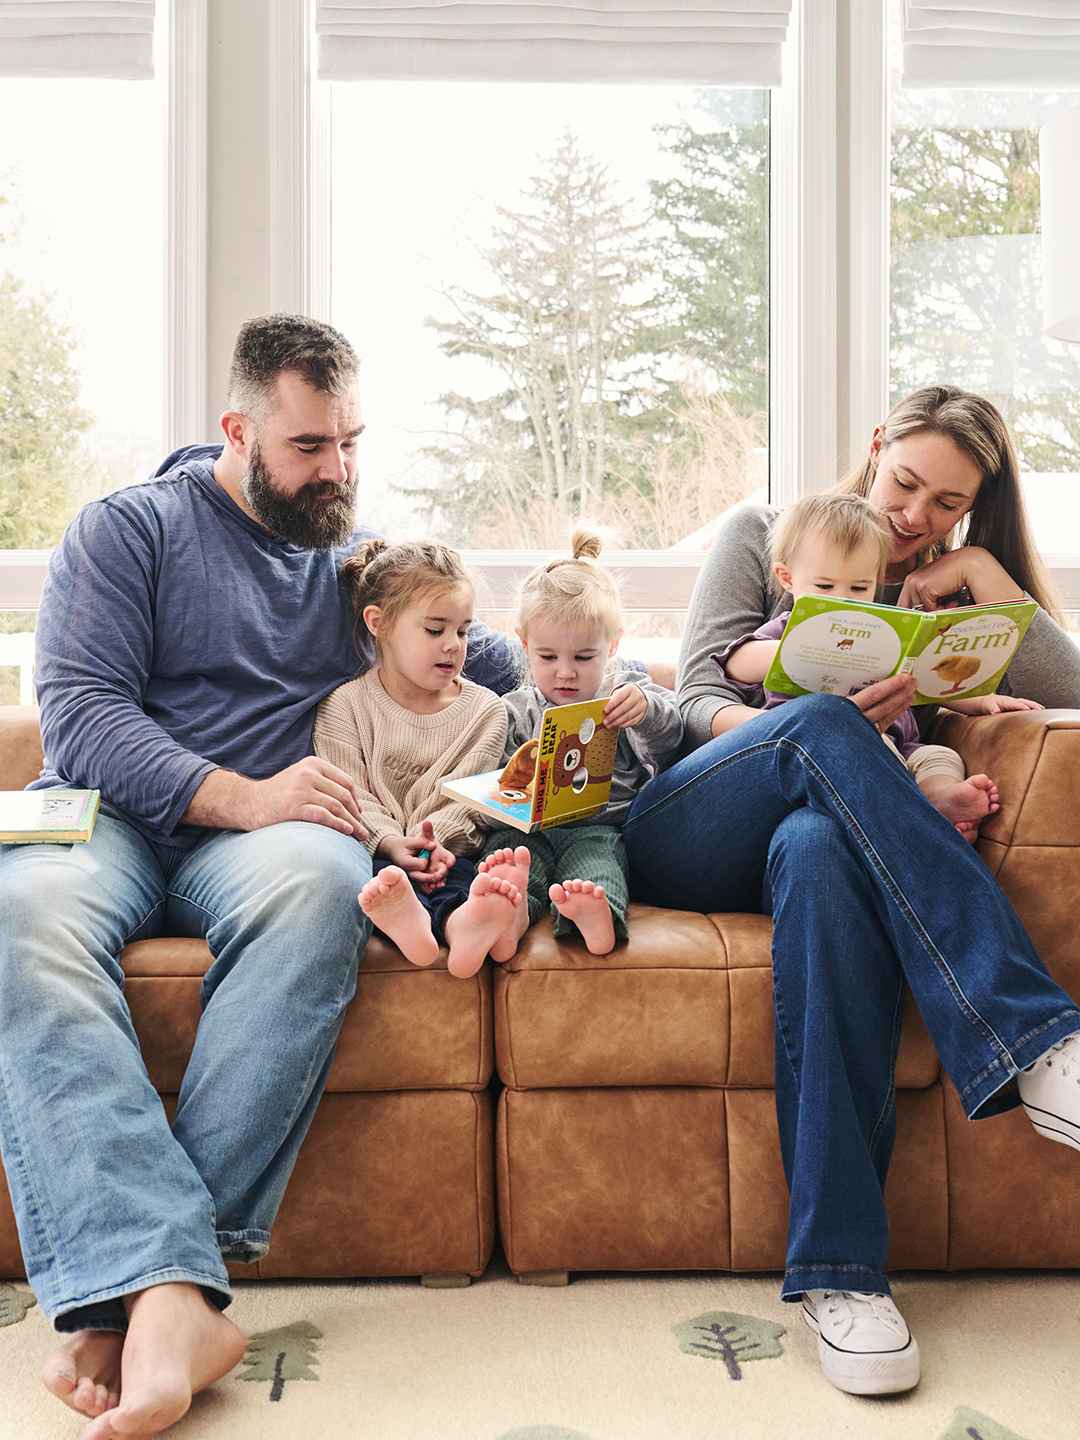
687, 1000
405, 1029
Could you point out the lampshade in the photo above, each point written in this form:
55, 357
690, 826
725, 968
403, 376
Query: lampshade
1059, 162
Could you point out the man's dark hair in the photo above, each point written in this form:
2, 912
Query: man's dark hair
271, 344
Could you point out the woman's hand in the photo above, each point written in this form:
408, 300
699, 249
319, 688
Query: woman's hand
885, 702
969, 568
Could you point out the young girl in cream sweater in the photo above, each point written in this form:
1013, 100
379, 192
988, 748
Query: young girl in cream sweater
402, 728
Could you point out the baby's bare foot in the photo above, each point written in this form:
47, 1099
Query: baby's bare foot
512, 865
389, 901
480, 923
84, 1372
965, 802
586, 905
177, 1343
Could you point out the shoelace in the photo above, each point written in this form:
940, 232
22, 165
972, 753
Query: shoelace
1069, 1050
861, 1306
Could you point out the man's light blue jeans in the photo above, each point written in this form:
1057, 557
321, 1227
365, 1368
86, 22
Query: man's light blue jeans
108, 1199
803, 813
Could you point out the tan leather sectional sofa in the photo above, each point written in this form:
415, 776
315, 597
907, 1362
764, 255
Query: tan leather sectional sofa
634, 1128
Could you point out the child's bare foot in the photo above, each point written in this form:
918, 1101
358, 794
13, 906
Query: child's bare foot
476, 926
965, 802
389, 901
84, 1372
586, 905
177, 1343
512, 865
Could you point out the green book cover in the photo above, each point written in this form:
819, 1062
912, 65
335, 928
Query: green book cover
839, 647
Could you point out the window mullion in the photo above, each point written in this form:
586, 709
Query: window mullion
862, 226
803, 368
187, 415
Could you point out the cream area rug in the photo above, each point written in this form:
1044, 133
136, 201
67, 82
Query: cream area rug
614, 1357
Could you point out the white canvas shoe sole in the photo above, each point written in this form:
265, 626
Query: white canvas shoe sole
1050, 1090
1054, 1127
874, 1372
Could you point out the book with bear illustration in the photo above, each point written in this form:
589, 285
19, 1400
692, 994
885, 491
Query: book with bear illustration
840, 646
44, 816
564, 775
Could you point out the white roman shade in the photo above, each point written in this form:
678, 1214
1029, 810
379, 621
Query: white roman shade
690, 42
992, 44
102, 39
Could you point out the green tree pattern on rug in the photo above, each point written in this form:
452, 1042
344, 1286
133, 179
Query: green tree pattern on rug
970, 1425
14, 1304
287, 1353
724, 1335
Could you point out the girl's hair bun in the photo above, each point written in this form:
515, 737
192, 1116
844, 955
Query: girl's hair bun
586, 543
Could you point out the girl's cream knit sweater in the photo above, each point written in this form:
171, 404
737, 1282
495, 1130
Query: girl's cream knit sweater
399, 760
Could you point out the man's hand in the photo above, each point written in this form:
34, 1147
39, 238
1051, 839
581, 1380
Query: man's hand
886, 701
312, 790
428, 871
626, 708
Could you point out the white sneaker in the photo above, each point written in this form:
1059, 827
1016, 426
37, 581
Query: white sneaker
864, 1345
1050, 1090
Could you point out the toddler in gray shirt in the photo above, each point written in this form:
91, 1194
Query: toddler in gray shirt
569, 620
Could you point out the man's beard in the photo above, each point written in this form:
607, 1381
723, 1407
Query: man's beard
306, 518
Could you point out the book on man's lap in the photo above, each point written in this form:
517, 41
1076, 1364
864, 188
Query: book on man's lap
58, 817
562, 776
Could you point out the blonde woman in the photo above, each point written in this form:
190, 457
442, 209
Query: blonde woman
796, 816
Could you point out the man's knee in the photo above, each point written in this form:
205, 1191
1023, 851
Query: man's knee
298, 875
43, 891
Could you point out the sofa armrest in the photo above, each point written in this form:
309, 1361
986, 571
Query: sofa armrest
1032, 844
20, 746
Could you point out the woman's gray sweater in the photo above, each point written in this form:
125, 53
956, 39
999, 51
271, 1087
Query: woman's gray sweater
733, 597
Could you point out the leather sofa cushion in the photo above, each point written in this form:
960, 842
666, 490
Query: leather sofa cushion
687, 1000
405, 1029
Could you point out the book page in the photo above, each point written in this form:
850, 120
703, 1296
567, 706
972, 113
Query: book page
967, 651
838, 647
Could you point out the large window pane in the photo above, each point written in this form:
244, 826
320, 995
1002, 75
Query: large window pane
560, 294
81, 304
966, 298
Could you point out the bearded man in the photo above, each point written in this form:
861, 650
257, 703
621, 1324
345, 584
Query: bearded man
188, 630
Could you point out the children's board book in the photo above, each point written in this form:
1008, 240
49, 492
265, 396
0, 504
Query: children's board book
840, 646
59, 816
564, 775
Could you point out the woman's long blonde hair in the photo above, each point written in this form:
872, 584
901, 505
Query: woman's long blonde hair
997, 521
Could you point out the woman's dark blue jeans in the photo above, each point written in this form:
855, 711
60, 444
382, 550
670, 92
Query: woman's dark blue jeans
803, 813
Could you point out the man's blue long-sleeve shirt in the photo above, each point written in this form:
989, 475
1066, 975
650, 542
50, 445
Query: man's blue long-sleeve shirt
176, 635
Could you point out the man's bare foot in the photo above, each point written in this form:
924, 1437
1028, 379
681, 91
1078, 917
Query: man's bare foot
177, 1343
474, 927
84, 1372
964, 802
586, 905
389, 901
512, 865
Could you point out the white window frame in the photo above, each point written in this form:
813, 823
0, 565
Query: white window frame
264, 112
